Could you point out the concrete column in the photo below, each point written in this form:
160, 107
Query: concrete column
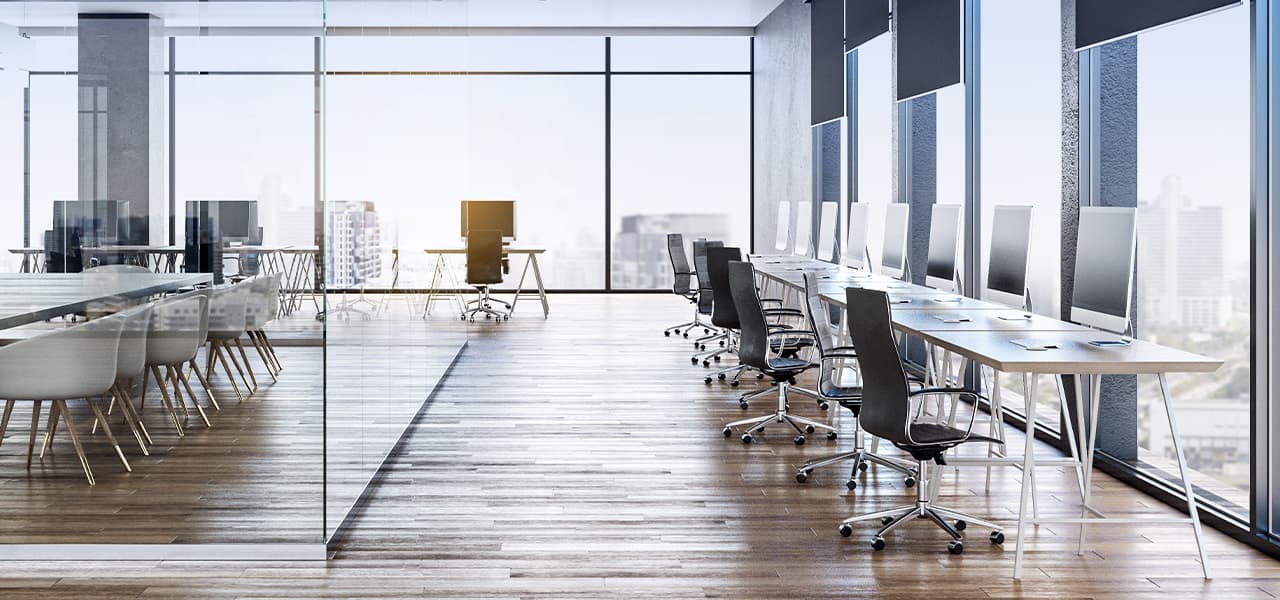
121, 121
922, 184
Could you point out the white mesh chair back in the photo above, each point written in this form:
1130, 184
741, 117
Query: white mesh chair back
131, 356
175, 332
77, 362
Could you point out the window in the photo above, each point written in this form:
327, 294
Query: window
875, 130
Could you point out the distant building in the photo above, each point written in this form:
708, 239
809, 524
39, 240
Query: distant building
640, 259
353, 245
1181, 262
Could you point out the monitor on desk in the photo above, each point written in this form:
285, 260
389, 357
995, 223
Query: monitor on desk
944, 230
804, 228
855, 244
1105, 252
489, 214
828, 230
238, 220
893, 253
1010, 249
784, 226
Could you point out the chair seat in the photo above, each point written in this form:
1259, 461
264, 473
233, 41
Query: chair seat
935, 435
788, 364
790, 343
829, 389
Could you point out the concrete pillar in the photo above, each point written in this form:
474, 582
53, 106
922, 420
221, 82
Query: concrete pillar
121, 126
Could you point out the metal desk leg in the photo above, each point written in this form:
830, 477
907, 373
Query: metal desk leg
1091, 444
1186, 480
1028, 468
542, 290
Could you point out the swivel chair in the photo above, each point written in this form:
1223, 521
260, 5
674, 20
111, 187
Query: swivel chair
887, 413
758, 346
705, 294
725, 317
683, 285
484, 268
847, 395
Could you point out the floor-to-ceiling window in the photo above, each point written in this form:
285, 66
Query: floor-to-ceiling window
874, 131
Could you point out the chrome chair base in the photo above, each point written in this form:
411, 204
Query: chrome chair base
483, 306
862, 459
780, 415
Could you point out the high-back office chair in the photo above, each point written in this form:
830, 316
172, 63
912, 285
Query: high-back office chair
484, 268
847, 394
705, 296
682, 285
86, 359
724, 314
887, 413
757, 347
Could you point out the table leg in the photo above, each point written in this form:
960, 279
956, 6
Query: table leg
1028, 470
1186, 479
542, 290
1071, 433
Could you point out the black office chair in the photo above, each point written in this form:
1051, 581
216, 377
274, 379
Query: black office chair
757, 347
846, 394
484, 268
887, 413
725, 316
683, 285
705, 293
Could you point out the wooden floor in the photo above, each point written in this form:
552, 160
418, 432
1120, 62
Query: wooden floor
582, 457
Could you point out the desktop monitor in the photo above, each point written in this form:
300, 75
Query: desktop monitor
784, 226
1010, 249
893, 253
489, 214
237, 220
828, 230
1104, 267
804, 228
855, 244
944, 230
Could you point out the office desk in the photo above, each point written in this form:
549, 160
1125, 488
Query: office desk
988, 341
30, 298
160, 259
531, 261
297, 266
32, 259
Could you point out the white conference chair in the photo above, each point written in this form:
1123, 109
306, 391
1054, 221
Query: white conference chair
259, 310
226, 325
177, 331
131, 361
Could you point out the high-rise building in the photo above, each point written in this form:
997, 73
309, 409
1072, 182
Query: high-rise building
1181, 261
640, 257
353, 252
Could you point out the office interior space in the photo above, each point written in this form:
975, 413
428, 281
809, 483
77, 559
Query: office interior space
552, 298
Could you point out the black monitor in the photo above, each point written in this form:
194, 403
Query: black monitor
1104, 267
238, 220
489, 214
1010, 247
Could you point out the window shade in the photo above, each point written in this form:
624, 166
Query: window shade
930, 36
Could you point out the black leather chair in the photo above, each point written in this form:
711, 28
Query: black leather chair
683, 285
766, 349
887, 413
845, 393
484, 268
705, 301
725, 316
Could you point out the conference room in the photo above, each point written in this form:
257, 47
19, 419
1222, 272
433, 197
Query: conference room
732, 298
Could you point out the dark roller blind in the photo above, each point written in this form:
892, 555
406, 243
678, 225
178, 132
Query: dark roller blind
930, 36
826, 24
1101, 21
863, 21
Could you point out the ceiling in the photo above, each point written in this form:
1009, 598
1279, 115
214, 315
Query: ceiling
407, 13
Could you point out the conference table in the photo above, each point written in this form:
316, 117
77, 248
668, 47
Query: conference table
1007, 340
27, 298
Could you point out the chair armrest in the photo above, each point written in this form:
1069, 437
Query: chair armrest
803, 332
849, 349
837, 355
945, 392
784, 312
777, 301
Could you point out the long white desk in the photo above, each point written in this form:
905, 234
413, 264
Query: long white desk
987, 340
30, 298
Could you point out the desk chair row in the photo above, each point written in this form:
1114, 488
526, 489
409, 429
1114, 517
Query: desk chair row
886, 402
100, 360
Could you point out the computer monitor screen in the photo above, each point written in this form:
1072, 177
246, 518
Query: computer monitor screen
855, 245
1104, 267
944, 229
489, 214
1010, 246
893, 254
784, 226
828, 230
238, 219
804, 228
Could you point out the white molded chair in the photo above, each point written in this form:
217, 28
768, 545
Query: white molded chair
176, 334
85, 356
226, 324
264, 302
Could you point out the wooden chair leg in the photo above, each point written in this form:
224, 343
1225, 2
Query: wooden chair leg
106, 430
142, 395
248, 367
173, 376
4, 423
266, 362
168, 403
235, 361
35, 427
208, 389
226, 367
61, 407
169, 379
49, 430
134, 424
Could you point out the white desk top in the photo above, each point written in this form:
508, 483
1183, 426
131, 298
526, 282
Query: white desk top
32, 297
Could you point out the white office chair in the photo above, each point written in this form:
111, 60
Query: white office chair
131, 361
85, 359
226, 325
177, 331
259, 310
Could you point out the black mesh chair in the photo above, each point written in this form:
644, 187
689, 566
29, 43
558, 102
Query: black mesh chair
833, 361
765, 348
683, 285
484, 268
887, 412
705, 301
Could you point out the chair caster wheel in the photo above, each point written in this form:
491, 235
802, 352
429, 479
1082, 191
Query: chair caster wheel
686, 335
960, 525
886, 520
706, 364
721, 344
863, 466
909, 481
808, 429
746, 438
801, 477
667, 334
702, 347
799, 440
463, 318
694, 360
846, 530
759, 375
717, 358
877, 543
487, 317
721, 377
706, 331
733, 383
997, 537
831, 435
727, 432
744, 405
706, 380
823, 406
955, 547
506, 317
851, 484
